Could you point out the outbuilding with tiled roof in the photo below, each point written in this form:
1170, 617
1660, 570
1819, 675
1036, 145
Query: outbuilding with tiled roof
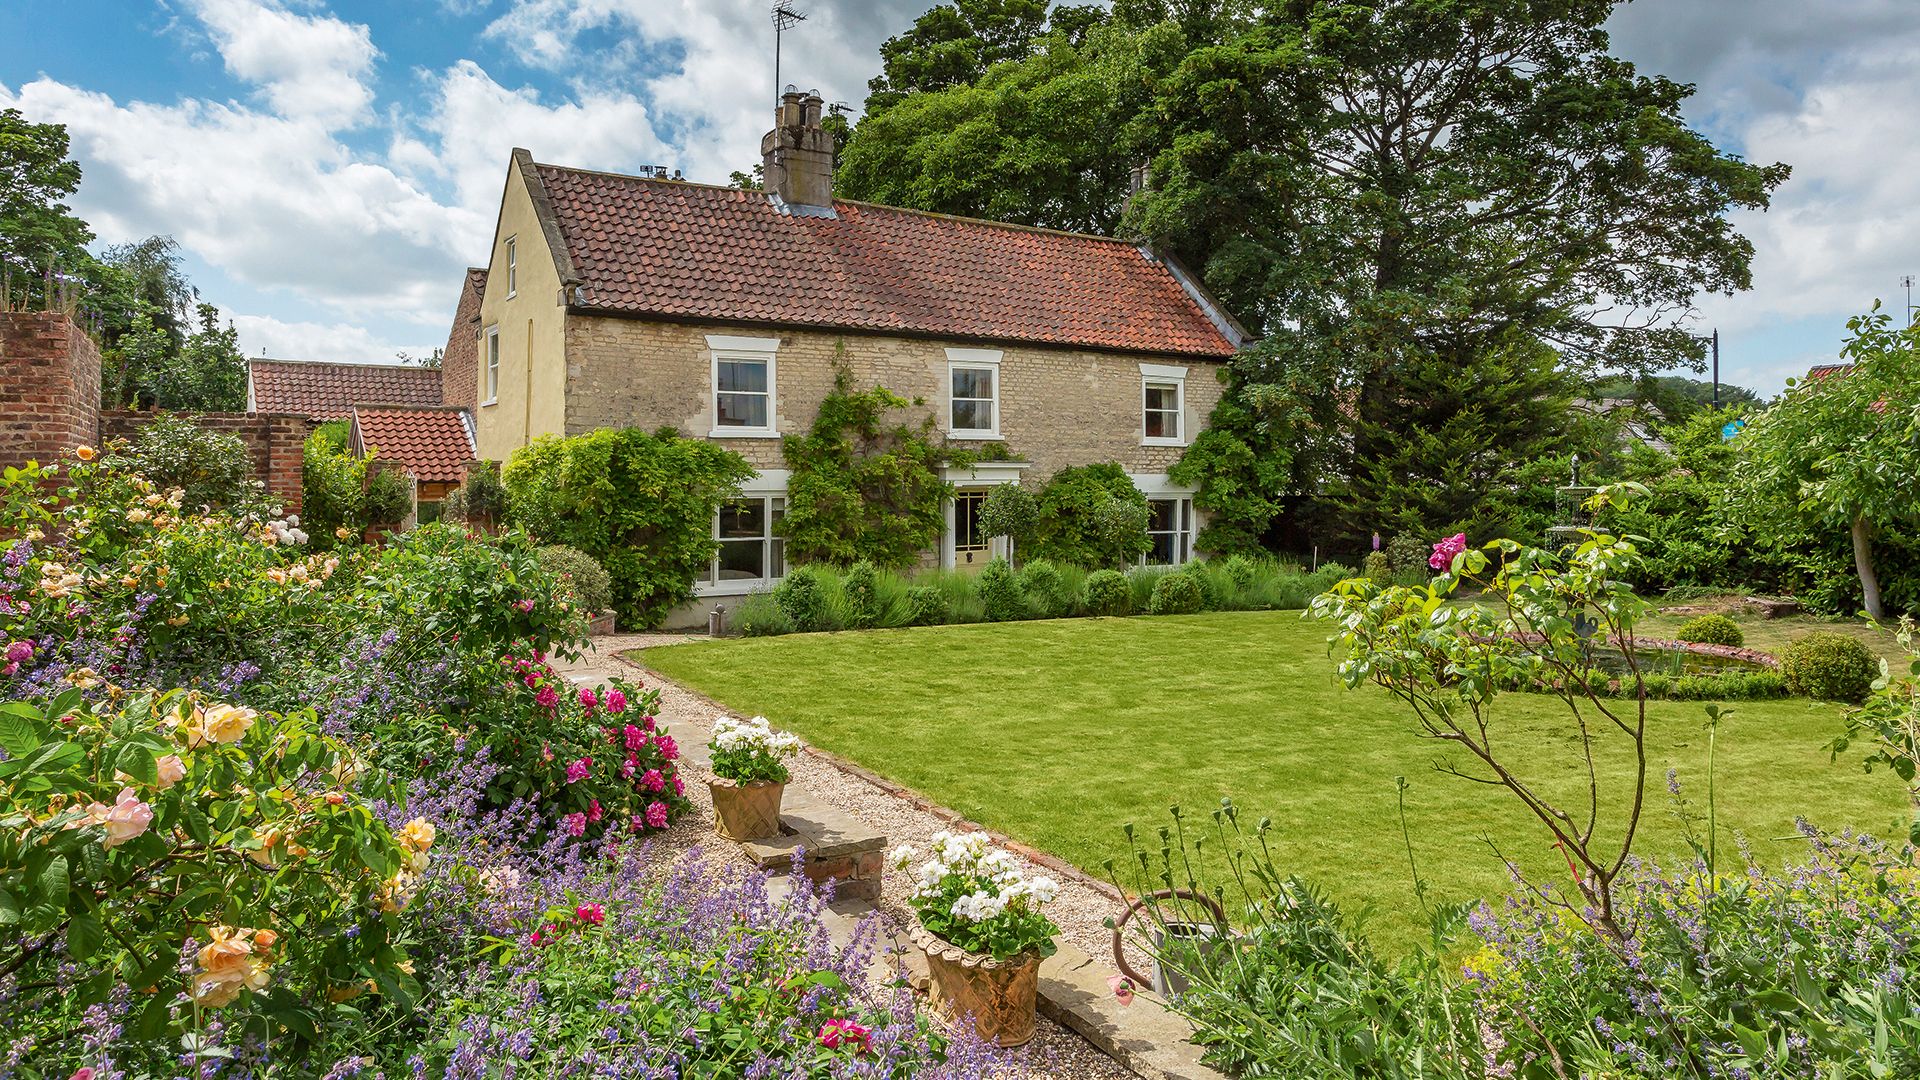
326, 391
432, 444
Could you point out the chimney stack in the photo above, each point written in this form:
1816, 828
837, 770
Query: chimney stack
797, 155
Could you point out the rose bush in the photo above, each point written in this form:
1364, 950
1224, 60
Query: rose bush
169, 826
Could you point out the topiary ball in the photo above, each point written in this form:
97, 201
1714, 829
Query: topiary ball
583, 572
1830, 667
926, 606
1176, 594
1000, 593
1109, 593
1713, 630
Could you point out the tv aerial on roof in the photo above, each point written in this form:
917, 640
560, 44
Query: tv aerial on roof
784, 19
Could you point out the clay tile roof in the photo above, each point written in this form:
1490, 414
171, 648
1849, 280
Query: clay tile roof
681, 250
1821, 371
431, 443
323, 391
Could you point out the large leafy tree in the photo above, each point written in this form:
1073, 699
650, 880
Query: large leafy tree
1842, 453
954, 44
40, 238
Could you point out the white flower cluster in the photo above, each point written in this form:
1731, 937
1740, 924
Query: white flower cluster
748, 735
286, 531
993, 877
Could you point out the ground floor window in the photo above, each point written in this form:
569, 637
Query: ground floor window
1170, 528
749, 552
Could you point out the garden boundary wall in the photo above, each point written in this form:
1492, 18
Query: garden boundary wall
50, 403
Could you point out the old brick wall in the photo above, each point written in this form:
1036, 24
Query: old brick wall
49, 386
275, 441
1058, 407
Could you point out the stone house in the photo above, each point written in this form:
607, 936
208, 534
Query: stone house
619, 301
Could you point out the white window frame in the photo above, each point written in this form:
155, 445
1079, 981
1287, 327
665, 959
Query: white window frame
490, 364
1185, 528
768, 485
1152, 375
726, 348
977, 360
513, 266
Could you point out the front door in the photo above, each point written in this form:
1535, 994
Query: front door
971, 548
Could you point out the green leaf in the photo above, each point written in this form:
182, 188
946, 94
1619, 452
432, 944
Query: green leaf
138, 762
9, 908
17, 734
84, 936
53, 883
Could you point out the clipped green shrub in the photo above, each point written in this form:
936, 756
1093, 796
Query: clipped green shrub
1378, 568
759, 615
581, 570
1712, 630
861, 588
482, 500
1046, 593
1408, 552
1109, 593
642, 503
1000, 593
926, 606
389, 496
1178, 593
1830, 667
804, 596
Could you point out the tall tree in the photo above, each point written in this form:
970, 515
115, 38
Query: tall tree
40, 237
1842, 452
209, 372
954, 44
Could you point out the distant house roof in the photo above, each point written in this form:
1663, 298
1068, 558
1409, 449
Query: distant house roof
432, 443
323, 391
676, 250
1821, 371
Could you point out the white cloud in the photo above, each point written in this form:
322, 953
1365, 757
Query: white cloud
264, 335
307, 66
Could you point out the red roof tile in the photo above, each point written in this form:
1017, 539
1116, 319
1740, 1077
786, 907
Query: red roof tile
323, 391
680, 250
431, 443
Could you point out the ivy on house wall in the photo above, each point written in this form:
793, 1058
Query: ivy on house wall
865, 482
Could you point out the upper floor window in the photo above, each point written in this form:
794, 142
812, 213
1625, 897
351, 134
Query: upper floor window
973, 393
743, 385
1163, 405
513, 266
493, 365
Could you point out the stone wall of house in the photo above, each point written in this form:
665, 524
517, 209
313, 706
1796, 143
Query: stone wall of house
275, 441
49, 387
1058, 406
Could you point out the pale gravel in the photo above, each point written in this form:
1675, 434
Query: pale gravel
1055, 1053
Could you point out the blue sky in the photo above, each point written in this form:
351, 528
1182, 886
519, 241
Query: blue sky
329, 167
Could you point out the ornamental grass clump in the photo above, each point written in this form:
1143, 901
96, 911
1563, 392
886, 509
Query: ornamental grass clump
745, 751
973, 895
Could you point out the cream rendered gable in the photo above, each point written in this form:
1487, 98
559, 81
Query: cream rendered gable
531, 323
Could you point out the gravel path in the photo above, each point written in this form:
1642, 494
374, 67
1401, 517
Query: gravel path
1079, 909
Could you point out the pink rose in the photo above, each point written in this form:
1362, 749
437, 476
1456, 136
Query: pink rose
85, 1072
548, 698
668, 748
635, 738
578, 770
837, 1033
639, 823
172, 770
590, 913
587, 698
126, 819
576, 824
525, 606
652, 780
679, 787
657, 815
19, 651
594, 813
616, 702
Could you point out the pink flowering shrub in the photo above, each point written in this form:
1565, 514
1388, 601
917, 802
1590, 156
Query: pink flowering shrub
593, 760
1445, 550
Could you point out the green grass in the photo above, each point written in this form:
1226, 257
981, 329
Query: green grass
1059, 732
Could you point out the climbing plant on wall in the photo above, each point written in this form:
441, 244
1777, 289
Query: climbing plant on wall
865, 481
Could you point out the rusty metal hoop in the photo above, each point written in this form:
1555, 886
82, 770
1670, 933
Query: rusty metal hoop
1119, 953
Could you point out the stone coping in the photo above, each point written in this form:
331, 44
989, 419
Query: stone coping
824, 831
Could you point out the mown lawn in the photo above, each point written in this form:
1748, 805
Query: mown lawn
1060, 732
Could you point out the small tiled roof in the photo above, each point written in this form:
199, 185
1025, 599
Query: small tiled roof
322, 391
431, 443
1821, 371
678, 250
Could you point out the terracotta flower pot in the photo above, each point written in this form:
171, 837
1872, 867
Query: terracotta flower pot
749, 811
1000, 995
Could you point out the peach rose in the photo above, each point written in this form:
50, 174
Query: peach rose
227, 723
229, 965
126, 818
417, 835
172, 770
